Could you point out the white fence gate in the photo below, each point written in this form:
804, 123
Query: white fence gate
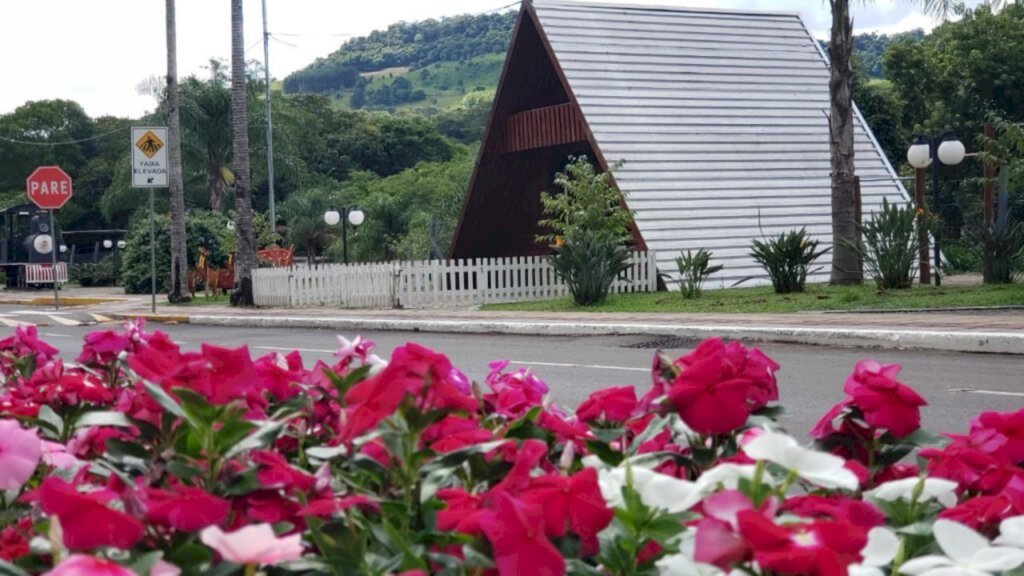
431, 283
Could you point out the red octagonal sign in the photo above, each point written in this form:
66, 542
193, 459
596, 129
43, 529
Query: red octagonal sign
49, 187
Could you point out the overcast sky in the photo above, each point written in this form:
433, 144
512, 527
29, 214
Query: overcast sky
97, 52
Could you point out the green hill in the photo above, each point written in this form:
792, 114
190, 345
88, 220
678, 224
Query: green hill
406, 45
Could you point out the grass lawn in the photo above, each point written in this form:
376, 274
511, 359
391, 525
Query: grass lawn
818, 297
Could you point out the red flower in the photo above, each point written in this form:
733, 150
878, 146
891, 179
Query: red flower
103, 347
185, 509
14, 539
516, 533
276, 472
709, 395
85, 520
231, 374
610, 405
462, 511
984, 513
1000, 434
969, 467
838, 508
574, 500
884, 401
820, 548
26, 342
454, 433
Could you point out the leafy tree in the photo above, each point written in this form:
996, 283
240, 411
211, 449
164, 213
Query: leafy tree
206, 115
587, 201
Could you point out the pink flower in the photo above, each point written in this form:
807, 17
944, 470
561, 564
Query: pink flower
609, 405
82, 565
20, 451
885, 401
103, 347
718, 541
573, 500
185, 509
820, 548
26, 342
255, 544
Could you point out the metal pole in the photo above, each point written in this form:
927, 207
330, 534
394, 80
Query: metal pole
152, 249
53, 257
270, 121
344, 234
922, 233
938, 211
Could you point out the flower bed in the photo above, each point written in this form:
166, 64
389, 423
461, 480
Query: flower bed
141, 458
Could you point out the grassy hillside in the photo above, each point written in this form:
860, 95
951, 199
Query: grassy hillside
440, 85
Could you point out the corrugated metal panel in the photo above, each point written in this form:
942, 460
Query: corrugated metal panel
721, 119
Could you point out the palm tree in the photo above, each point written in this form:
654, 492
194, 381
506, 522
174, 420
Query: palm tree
206, 118
179, 248
846, 267
245, 245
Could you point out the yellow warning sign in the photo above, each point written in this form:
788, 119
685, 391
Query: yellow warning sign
149, 144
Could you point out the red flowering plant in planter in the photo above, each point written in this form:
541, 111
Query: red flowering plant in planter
144, 458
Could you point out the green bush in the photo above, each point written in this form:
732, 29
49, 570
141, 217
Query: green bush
589, 262
694, 269
102, 273
889, 246
787, 259
202, 228
960, 257
1001, 251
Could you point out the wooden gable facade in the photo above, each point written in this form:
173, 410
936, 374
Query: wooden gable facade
720, 118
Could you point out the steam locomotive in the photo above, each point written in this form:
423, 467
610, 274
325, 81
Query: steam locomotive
27, 245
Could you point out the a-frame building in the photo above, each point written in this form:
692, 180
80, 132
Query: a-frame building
720, 118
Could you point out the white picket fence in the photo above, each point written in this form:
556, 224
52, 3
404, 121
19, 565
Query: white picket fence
434, 283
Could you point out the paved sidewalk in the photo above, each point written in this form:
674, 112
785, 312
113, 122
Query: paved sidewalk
981, 330
992, 331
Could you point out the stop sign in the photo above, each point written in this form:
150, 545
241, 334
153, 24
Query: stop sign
49, 187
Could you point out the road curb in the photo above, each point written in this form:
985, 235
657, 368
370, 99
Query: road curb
64, 301
935, 340
155, 318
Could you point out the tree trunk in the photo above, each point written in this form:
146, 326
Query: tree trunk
216, 186
846, 267
245, 245
179, 247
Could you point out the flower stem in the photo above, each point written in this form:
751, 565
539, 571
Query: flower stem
250, 570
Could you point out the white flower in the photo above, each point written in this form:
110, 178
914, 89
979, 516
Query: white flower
967, 554
1011, 532
881, 549
655, 490
931, 489
825, 470
681, 565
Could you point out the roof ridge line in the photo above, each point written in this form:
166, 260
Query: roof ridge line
619, 4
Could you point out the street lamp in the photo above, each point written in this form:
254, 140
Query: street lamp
107, 244
922, 153
348, 215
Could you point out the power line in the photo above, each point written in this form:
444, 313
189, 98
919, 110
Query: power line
64, 143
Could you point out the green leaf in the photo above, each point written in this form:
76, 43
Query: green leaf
183, 471
577, 567
457, 457
199, 412
8, 569
49, 419
605, 453
232, 432
103, 419
916, 529
655, 427
128, 453
326, 452
164, 399
263, 436
143, 565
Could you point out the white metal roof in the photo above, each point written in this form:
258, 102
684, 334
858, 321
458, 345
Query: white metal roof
721, 120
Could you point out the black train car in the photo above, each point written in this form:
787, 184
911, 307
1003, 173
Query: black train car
26, 246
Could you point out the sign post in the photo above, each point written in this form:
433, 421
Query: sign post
149, 170
49, 188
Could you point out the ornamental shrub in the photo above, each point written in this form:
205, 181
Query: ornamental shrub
140, 457
889, 246
589, 262
694, 269
787, 259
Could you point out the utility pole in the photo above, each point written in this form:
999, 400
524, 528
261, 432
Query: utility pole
270, 121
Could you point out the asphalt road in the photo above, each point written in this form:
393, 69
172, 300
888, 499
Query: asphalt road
957, 386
